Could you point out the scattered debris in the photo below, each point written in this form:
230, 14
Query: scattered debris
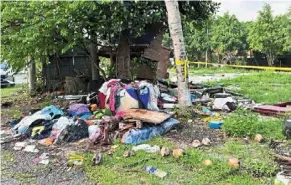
6, 104
287, 128
276, 109
177, 153
75, 159
147, 148
207, 162
282, 179
128, 153
215, 124
97, 159
258, 138
205, 141
20, 145
31, 148
246, 140
42, 159
233, 162
165, 151
284, 158
155, 171
196, 143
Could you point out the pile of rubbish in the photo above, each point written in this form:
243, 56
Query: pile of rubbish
119, 110
131, 111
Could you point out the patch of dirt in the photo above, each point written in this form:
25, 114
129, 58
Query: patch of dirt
197, 130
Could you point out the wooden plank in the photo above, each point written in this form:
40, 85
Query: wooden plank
154, 117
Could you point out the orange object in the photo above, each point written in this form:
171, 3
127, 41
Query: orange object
93, 107
207, 162
178, 152
47, 141
233, 162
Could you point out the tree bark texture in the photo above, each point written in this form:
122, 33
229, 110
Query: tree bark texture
270, 59
175, 27
123, 57
31, 77
94, 61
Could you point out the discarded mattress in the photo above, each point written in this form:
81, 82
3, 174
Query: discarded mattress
136, 136
154, 117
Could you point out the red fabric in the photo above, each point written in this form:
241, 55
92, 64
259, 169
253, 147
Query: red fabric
101, 98
113, 93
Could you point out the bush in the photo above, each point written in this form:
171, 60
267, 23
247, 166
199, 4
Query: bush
242, 123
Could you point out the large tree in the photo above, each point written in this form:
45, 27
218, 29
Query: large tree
227, 35
44, 28
198, 40
269, 34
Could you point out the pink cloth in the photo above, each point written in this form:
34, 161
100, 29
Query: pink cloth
101, 98
112, 98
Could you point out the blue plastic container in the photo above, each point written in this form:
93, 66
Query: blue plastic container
215, 124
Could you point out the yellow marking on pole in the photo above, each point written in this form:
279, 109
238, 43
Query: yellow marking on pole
185, 63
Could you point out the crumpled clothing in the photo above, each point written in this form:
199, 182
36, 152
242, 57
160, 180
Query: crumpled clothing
52, 111
47, 113
85, 116
37, 130
78, 109
153, 95
23, 125
74, 132
141, 95
101, 98
112, 99
43, 131
103, 89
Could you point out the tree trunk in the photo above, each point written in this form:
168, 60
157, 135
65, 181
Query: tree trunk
44, 66
94, 61
206, 57
270, 59
31, 76
175, 27
123, 57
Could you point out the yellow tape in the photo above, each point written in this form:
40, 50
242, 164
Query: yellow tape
248, 67
185, 63
180, 62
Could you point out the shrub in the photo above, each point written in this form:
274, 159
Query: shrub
242, 123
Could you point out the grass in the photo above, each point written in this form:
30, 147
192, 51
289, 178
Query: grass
9, 90
256, 159
7, 156
212, 70
263, 86
242, 123
188, 169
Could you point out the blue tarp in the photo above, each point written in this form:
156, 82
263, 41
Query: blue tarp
137, 136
